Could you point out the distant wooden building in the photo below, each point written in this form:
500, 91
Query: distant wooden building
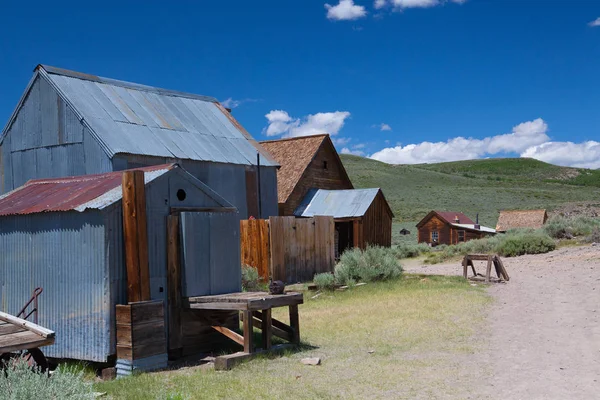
516, 219
306, 162
362, 216
440, 227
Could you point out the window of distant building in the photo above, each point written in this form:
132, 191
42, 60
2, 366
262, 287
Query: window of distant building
435, 236
461, 236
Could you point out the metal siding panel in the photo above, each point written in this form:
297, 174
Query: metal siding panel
48, 110
64, 254
74, 91
225, 262
124, 105
73, 128
195, 229
94, 90
268, 191
142, 106
96, 160
6, 165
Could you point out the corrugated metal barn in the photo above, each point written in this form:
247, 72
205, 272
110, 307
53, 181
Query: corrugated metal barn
69, 123
362, 216
66, 235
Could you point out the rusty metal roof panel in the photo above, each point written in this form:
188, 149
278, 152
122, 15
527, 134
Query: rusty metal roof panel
76, 193
143, 120
336, 203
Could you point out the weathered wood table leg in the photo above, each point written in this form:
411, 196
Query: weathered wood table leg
465, 267
248, 332
267, 329
295, 324
488, 270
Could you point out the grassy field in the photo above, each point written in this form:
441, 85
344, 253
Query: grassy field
416, 328
479, 186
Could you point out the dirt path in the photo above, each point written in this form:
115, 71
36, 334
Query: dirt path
545, 327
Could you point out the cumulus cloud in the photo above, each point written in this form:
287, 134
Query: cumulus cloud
346, 10
580, 155
402, 4
346, 150
280, 123
595, 22
341, 141
385, 127
522, 137
359, 146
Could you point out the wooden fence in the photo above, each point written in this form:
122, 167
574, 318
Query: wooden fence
287, 248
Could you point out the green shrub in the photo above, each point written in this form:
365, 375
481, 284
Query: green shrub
374, 263
566, 228
19, 382
410, 250
324, 281
250, 278
525, 243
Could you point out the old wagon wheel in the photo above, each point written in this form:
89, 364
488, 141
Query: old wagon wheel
34, 358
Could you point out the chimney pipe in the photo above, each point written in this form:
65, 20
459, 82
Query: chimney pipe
477, 226
456, 219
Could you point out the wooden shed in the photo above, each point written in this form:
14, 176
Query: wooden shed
306, 162
362, 216
67, 235
444, 227
515, 219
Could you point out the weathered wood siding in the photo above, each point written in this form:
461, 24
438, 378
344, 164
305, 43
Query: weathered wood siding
316, 176
287, 248
435, 224
377, 224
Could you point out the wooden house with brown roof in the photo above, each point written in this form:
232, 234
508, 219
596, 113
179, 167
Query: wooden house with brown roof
516, 219
443, 227
307, 162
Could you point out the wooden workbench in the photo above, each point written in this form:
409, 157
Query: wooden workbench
256, 311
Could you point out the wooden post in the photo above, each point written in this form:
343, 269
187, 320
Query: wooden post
355, 234
135, 236
174, 286
465, 266
267, 329
248, 332
488, 270
295, 323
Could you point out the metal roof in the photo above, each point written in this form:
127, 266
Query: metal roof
472, 227
137, 119
76, 193
336, 203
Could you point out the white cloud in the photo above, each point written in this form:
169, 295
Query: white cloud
385, 127
522, 137
341, 141
231, 103
359, 146
346, 10
402, 4
280, 123
346, 150
580, 155
595, 22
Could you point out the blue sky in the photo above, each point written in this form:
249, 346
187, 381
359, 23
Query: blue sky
403, 81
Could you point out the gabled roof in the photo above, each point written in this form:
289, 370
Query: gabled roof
337, 203
79, 193
521, 219
130, 118
295, 155
449, 217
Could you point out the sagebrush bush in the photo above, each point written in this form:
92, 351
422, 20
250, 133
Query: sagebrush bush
560, 227
20, 382
406, 250
373, 263
324, 281
525, 243
250, 278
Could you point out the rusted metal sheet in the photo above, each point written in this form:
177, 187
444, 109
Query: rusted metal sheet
72, 193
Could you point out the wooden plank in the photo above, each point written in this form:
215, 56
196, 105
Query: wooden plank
248, 332
147, 311
302, 273
30, 326
265, 248
488, 270
135, 236
219, 306
236, 337
267, 329
276, 235
263, 304
295, 323
7, 329
23, 341
177, 210
174, 282
229, 361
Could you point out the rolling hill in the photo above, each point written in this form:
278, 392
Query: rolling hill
475, 186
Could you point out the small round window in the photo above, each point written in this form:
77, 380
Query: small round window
181, 195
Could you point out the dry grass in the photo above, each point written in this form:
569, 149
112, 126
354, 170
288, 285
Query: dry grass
418, 327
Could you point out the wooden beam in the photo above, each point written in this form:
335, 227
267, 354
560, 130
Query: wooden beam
295, 323
135, 236
236, 337
248, 332
267, 329
174, 283
227, 362
30, 326
176, 210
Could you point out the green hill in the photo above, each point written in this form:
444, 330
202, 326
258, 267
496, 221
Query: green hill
476, 186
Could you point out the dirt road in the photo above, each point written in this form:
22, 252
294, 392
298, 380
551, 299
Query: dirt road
544, 336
